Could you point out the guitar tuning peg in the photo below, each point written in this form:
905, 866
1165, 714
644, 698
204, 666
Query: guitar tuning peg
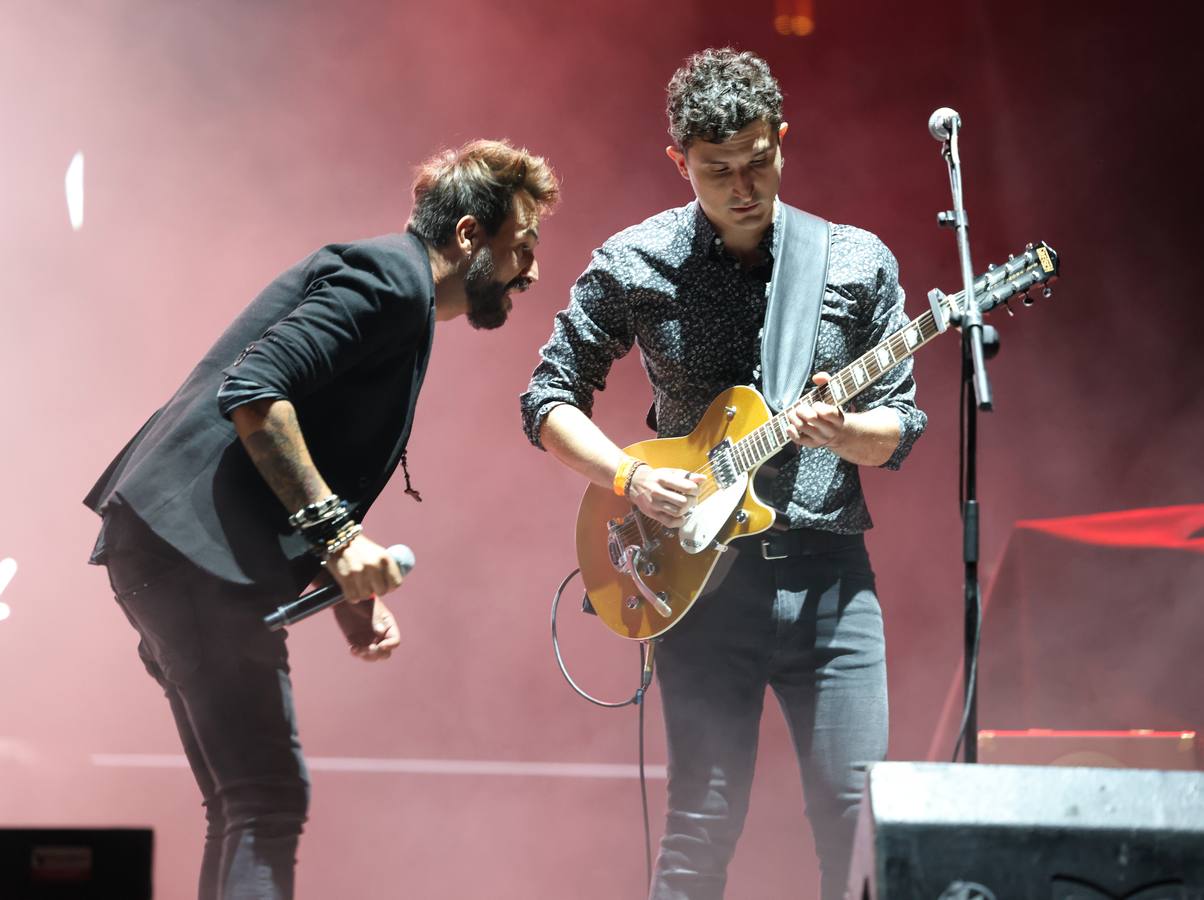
991, 267
1011, 256
1007, 305
1047, 292
1026, 299
1028, 247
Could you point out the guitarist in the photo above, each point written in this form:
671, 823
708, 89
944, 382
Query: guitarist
797, 610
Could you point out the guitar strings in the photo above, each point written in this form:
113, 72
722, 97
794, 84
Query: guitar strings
768, 432
744, 447
708, 488
872, 368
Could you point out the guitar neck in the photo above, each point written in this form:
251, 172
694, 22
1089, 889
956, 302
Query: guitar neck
761, 443
1036, 266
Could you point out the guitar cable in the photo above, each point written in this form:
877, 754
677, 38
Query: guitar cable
972, 679
636, 699
971, 682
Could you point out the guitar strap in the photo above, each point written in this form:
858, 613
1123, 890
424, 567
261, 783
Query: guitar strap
792, 311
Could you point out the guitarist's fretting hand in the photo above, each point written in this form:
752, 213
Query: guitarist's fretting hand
664, 494
815, 426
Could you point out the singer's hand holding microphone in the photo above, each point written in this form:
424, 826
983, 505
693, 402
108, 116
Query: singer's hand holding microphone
361, 573
365, 568
366, 571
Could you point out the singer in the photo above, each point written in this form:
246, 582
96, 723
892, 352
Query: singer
261, 465
798, 611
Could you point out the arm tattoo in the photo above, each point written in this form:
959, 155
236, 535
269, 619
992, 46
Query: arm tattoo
278, 450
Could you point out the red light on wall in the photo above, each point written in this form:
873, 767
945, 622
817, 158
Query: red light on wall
794, 18
1136, 749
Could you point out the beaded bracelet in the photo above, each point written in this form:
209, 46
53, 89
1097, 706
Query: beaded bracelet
631, 476
341, 541
327, 530
326, 526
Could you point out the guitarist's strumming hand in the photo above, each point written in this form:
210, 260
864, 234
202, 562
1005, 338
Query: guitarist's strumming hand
664, 494
820, 425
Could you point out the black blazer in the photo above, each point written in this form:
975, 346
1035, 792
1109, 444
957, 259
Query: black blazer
345, 335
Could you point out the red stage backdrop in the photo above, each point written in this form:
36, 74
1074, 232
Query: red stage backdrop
225, 140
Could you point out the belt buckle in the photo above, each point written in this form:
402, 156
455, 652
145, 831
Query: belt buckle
765, 551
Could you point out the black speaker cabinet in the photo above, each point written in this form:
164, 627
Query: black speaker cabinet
933, 831
75, 863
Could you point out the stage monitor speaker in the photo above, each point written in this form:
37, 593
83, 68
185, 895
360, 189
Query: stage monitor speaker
75, 863
933, 831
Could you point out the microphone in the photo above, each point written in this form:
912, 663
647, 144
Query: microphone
942, 123
328, 595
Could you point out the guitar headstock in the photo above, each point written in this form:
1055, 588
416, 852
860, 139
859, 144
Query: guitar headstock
1016, 277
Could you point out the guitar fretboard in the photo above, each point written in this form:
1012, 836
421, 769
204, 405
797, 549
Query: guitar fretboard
761, 443
997, 286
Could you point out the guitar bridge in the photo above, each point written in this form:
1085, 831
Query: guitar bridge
619, 542
635, 560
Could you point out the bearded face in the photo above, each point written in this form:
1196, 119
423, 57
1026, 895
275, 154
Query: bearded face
489, 301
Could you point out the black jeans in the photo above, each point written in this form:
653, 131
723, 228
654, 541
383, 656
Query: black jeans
226, 678
809, 627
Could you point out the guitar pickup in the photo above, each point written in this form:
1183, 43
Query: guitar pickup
723, 464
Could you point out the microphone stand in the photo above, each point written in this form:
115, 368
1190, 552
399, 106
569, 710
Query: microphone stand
973, 370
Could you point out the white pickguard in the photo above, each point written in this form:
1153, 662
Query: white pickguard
705, 520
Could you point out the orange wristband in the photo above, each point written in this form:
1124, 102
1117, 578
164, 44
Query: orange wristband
621, 473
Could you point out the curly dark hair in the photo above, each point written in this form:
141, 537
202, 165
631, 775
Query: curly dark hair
718, 92
479, 179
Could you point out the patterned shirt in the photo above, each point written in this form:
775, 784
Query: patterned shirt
669, 285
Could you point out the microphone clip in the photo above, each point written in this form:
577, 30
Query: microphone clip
953, 218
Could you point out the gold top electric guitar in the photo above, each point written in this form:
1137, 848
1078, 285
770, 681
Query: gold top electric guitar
642, 577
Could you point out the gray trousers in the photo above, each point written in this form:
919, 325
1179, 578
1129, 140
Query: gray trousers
809, 627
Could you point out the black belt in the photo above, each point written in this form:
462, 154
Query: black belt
806, 542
